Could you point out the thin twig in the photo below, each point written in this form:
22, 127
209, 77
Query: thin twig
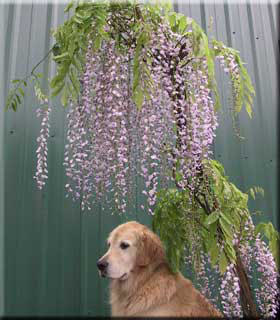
34, 68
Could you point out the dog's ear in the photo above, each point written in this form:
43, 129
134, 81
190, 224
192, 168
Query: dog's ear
149, 249
142, 255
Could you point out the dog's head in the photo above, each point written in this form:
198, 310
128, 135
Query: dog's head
131, 246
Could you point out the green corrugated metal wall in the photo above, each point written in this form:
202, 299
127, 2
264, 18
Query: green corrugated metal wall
2, 205
51, 247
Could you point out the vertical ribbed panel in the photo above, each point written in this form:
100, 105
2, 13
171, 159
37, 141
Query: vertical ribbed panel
42, 248
2, 187
51, 247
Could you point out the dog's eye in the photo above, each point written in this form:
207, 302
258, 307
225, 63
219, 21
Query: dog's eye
124, 245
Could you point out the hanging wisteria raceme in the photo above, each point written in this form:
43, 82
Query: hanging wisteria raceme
41, 174
266, 294
230, 293
228, 63
260, 265
204, 277
77, 150
156, 123
207, 278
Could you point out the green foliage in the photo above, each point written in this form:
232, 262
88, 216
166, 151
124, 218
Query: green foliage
87, 22
40, 95
141, 74
182, 220
254, 191
16, 94
14, 99
202, 48
179, 23
170, 224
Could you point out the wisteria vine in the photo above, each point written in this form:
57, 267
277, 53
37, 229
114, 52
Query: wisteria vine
105, 128
142, 101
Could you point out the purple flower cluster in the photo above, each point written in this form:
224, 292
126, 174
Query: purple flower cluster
230, 66
41, 174
266, 295
207, 277
230, 289
110, 140
245, 247
260, 264
184, 102
228, 63
100, 135
77, 150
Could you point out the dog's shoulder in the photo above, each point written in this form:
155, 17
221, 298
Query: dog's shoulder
161, 284
191, 301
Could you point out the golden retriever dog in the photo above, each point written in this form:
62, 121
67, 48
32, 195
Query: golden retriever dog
141, 281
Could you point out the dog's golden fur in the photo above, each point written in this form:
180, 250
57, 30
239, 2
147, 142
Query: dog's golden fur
150, 288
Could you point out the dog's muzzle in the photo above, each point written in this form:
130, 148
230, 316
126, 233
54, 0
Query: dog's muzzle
102, 266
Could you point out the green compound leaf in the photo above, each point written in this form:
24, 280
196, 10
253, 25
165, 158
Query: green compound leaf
65, 95
62, 57
230, 252
226, 230
69, 6
248, 109
16, 81
141, 74
138, 98
58, 88
213, 217
56, 80
225, 218
21, 91
18, 99
273, 237
223, 263
74, 80
274, 246
214, 253
14, 105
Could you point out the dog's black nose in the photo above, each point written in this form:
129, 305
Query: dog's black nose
102, 265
